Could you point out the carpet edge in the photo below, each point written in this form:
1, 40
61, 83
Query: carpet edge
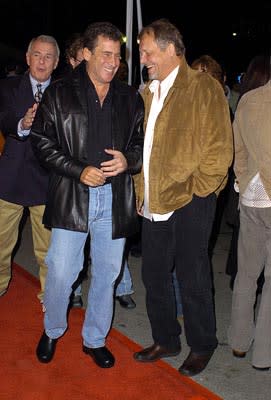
133, 346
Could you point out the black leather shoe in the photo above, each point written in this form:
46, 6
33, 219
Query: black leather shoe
46, 348
76, 301
101, 355
126, 301
195, 363
154, 353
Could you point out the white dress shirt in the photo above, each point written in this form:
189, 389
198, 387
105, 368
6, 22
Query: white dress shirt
156, 106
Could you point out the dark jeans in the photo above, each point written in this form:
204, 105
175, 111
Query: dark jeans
181, 241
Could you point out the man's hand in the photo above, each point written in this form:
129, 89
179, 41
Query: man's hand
115, 166
140, 209
28, 119
92, 176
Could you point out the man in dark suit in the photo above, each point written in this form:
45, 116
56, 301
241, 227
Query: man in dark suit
23, 181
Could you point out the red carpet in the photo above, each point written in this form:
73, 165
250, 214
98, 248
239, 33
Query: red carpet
72, 375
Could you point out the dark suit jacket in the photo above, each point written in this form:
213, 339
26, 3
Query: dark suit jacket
22, 179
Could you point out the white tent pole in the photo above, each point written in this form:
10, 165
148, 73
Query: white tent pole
139, 25
139, 15
129, 38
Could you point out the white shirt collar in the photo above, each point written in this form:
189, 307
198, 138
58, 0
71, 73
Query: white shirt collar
34, 83
166, 83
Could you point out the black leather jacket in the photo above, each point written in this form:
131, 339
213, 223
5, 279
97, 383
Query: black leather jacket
59, 138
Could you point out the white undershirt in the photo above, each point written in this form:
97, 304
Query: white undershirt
255, 194
156, 107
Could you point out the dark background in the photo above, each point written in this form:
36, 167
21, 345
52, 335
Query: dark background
207, 27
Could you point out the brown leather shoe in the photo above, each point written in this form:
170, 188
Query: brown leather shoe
238, 354
154, 353
195, 363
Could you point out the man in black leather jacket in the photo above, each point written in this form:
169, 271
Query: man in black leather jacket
88, 132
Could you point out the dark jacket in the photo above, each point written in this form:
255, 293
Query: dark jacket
59, 137
22, 179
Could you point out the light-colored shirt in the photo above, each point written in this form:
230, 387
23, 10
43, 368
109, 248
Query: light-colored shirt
156, 106
25, 132
255, 194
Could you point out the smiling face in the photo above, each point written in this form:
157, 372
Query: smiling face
42, 59
104, 61
160, 62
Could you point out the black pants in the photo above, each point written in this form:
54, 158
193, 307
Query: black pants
182, 241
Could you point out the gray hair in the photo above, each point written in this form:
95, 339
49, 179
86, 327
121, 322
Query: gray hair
45, 39
164, 33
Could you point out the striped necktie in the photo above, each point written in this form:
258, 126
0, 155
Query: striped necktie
38, 94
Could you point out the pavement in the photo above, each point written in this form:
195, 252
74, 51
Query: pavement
225, 375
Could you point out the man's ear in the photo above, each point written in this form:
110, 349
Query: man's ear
86, 54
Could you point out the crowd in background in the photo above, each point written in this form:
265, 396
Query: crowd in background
248, 279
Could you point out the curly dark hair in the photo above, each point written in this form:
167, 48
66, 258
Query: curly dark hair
72, 45
96, 29
210, 65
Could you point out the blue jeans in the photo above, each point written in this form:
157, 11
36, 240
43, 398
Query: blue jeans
125, 285
65, 260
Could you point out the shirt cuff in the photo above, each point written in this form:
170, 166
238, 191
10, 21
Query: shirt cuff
22, 132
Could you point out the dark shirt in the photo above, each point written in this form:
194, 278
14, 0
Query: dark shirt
99, 123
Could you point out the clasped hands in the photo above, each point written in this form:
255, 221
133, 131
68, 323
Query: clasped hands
92, 176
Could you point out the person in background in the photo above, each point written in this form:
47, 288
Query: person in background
256, 75
187, 152
23, 181
123, 71
124, 284
74, 50
208, 64
13, 68
252, 161
74, 56
235, 91
88, 132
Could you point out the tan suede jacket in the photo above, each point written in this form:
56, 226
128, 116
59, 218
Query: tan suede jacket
252, 137
192, 145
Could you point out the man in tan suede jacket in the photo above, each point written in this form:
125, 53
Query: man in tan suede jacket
187, 152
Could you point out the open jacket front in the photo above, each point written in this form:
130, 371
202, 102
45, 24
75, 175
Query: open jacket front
192, 144
59, 136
